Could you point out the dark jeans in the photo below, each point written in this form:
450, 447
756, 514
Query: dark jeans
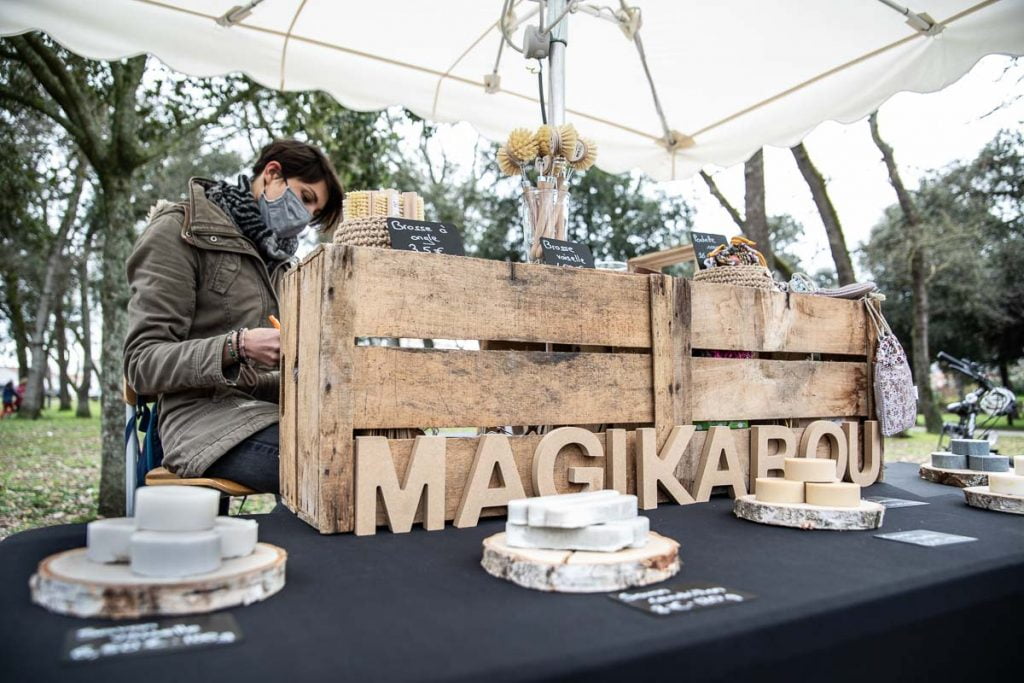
252, 462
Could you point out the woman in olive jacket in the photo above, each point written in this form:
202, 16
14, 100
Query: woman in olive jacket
203, 278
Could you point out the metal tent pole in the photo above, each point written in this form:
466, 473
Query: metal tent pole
556, 60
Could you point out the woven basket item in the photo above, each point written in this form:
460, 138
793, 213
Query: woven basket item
740, 276
364, 232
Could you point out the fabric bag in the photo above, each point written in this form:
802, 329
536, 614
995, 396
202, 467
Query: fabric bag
895, 393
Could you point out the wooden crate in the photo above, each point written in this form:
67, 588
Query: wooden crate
638, 335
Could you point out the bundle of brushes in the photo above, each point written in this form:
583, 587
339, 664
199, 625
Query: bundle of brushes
372, 203
553, 154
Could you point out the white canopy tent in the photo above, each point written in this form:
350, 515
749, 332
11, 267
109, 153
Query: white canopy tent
731, 76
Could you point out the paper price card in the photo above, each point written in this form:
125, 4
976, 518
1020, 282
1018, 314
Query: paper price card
95, 643
681, 598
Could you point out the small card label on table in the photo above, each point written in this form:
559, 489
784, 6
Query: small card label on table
681, 598
572, 254
926, 538
894, 502
94, 643
425, 237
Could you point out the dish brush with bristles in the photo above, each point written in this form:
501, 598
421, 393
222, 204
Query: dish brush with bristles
567, 138
584, 155
522, 146
505, 163
357, 205
547, 140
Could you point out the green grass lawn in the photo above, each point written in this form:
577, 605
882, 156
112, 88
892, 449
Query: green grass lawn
1001, 423
50, 472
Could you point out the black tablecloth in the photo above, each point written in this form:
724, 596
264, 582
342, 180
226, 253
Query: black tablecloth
831, 606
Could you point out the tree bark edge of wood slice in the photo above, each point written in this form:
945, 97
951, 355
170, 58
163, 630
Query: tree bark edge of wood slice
983, 498
566, 571
67, 583
868, 515
958, 478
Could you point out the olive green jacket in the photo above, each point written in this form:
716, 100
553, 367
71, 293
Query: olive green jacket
194, 278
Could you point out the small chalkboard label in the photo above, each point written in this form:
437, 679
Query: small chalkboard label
682, 598
425, 237
572, 254
704, 243
926, 538
101, 642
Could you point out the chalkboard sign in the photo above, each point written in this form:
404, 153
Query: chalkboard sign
926, 538
572, 254
94, 643
704, 243
681, 598
425, 237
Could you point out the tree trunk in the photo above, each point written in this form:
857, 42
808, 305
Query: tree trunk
85, 384
61, 347
19, 328
34, 393
118, 238
756, 223
919, 288
827, 211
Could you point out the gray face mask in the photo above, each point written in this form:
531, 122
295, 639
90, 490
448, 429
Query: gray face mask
286, 216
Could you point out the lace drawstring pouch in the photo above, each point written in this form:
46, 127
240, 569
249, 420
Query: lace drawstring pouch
895, 393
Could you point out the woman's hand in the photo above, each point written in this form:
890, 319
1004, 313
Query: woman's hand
263, 345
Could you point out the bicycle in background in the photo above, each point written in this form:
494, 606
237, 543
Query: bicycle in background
987, 399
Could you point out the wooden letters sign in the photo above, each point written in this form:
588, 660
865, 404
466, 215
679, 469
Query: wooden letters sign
420, 487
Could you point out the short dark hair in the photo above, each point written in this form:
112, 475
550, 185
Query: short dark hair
307, 163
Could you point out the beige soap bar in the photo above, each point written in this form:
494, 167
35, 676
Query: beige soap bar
1008, 484
810, 469
1018, 465
775, 490
836, 494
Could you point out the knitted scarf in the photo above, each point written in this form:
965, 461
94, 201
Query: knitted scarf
238, 203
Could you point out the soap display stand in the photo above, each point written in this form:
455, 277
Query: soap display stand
868, 515
959, 478
568, 571
982, 497
68, 583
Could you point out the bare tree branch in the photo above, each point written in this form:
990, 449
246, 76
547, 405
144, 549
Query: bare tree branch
717, 194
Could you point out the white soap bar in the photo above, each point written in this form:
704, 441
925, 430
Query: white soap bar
775, 490
818, 470
1018, 465
518, 509
175, 553
109, 540
609, 537
1009, 484
837, 494
175, 508
576, 513
237, 536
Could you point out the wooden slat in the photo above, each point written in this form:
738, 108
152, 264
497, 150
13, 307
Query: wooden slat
406, 294
290, 331
429, 388
307, 398
749, 319
728, 389
337, 345
670, 332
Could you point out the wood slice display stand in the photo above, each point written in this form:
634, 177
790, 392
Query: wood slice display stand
982, 497
567, 571
68, 583
958, 478
802, 516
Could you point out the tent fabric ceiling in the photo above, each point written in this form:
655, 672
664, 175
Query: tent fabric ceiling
732, 75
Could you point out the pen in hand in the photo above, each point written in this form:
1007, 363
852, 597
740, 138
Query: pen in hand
275, 322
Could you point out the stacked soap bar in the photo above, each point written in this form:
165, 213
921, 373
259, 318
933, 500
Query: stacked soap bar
602, 521
970, 454
808, 480
1010, 483
175, 532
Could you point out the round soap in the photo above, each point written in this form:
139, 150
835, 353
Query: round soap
810, 469
237, 536
836, 495
1009, 484
175, 508
775, 490
175, 553
108, 540
1018, 465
